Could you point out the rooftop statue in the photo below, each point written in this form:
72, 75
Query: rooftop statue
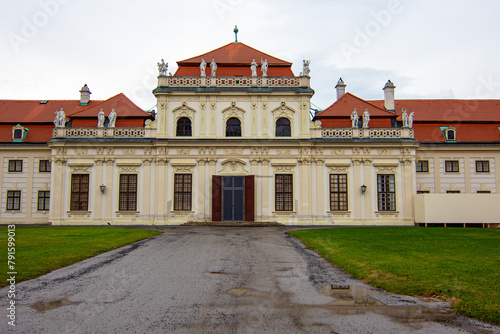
253, 67
354, 118
263, 67
100, 119
213, 66
404, 116
162, 67
410, 119
306, 70
112, 119
203, 66
366, 119
60, 119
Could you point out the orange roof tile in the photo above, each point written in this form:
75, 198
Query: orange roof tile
344, 107
234, 59
448, 110
122, 105
32, 111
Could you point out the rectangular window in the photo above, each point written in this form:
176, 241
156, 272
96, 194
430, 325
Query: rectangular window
453, 191
44, 200
338, 192
15, 165
482, 166
386, 192
128, 192
44, 166
14, 200
451, 166
182, 192
79, 192
484, 191
422, 166
423, 192
284, 192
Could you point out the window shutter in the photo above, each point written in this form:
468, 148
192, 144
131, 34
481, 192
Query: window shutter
216, 198
249, 198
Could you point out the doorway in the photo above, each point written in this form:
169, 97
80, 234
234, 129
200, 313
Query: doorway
233, 198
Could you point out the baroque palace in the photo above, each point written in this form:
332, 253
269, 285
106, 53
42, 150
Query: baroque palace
234, 140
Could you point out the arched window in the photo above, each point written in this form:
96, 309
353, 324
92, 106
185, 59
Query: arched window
184, 127
233, 127
283, 127
450, 134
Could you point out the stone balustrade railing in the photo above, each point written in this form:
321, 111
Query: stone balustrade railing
171, 81
89, 133
356, 133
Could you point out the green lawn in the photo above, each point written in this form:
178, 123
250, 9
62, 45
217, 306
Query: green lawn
456, 264
39, 250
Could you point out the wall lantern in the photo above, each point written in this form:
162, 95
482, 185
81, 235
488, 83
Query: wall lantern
102, 187
363, 189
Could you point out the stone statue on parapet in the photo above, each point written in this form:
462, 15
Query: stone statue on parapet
60, 119
253, 67
366, 119
100, 119
306, 70
112, 119
404, 116
162, 67
203, 66
264, 66
410, 119
213, 67
354, 118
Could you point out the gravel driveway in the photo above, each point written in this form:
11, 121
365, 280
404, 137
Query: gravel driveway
219, 280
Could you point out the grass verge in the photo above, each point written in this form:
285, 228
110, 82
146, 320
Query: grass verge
39, 250
459, 265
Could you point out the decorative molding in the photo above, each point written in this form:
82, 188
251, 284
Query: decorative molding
183, 151
148, 151
80, 169
381, 170
183, 111
82, 151
283, 111
304, 161
338, 151
59, 161
406, 161
128, 151
234, 152
357, 162
233, 111
283, 169
367, 161
162, 160
183, 166
183, 169
384, 152
233, 167
147, 161
319, 161
338, 169
283, 152
129, 169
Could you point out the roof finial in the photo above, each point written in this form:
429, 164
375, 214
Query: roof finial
236, 34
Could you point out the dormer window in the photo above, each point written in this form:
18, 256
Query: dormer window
19, 133
450, 134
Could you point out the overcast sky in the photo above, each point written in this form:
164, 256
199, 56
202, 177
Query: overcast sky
429, 49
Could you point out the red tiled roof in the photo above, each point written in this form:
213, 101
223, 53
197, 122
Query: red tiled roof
234, 59
122, 105
343, 108
469, 132
32, 111
39, 117
448, 110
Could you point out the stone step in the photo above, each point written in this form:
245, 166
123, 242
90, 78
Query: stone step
235, 224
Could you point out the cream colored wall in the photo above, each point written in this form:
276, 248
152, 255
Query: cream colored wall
457, 208
156, 163
29, 182
258, 114
467, 180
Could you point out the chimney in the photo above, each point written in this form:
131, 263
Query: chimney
389, 96
340, 88
85, 95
